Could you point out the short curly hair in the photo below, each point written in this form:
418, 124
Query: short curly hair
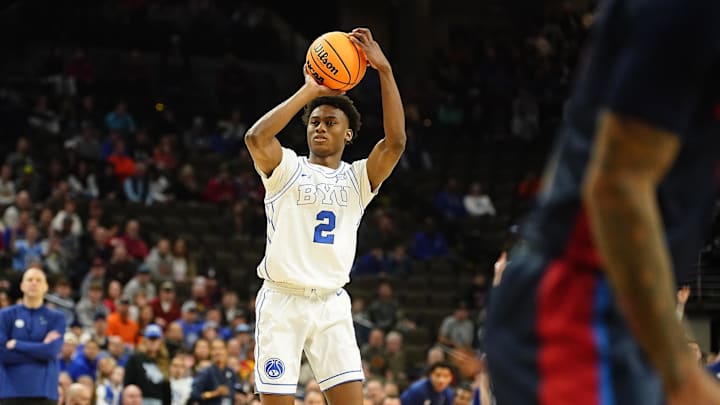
344, 103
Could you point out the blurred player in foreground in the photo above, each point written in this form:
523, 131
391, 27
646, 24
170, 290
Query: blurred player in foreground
585, 312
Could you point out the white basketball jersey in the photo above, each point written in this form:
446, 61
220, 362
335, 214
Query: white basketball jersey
313, 214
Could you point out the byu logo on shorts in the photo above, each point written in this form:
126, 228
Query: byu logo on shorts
274, 368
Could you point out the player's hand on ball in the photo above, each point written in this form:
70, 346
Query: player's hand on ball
318, 89
375, 56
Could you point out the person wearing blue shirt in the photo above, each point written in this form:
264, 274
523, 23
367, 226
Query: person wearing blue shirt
86, 361
215, 385
31, 335
433, 390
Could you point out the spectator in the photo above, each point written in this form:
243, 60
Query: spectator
149, 367
396, 357
122, 267
69, 211
174, 339
449, 201
429, 242
85, 362
142, 282
371, 263
42, 120
183, 266
28, 250
109, 182
215, 384
186, 188
78, 394
463, 394
96, 275
165, 155
98, 333
158, 254
7, 186
435, 389
374, 391
373, 353
30, 341
87, 113
62, 300
112, 298
82, 182
90, 305
457, 330
120, 323
190, 323
136, 246
120, 120
86, 145
122, 164
118, 350
137, 186
165, 308
159, 187
220, 188
384, 310
181, 383
11, 215
132, 395
20, 159
67, 351
478, 203
108, 392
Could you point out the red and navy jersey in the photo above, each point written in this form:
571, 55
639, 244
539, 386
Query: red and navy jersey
657, 61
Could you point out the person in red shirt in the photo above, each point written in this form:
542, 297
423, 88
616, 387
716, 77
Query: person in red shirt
135, 245
165, 307
220, 189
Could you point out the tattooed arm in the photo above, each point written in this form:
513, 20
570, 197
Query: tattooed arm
629, 160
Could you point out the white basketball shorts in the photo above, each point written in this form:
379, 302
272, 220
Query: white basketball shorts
292, 319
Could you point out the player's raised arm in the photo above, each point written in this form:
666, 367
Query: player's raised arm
260, 138
387, 152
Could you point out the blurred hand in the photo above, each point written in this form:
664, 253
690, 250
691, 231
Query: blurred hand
222, 391
10, 344
500, 266
683, 294
375, 56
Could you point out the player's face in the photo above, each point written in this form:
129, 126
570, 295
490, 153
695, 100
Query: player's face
441, 378
327, 130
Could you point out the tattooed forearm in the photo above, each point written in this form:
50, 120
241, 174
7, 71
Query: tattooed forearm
629, 160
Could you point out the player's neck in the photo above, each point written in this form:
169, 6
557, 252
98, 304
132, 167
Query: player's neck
32, 303
331, 162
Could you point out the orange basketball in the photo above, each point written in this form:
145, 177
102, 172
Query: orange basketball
335, 61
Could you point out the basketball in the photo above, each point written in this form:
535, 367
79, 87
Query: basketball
335, 61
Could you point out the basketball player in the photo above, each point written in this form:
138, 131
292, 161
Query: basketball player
314, 205
585, 312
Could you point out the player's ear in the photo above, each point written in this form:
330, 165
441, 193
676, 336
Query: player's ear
348, 136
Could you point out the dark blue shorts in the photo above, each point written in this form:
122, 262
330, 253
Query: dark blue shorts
554, 337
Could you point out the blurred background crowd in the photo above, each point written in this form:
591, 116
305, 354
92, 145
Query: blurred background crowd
124, 175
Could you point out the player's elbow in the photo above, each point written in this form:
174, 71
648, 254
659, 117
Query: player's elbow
397, 142
251, 137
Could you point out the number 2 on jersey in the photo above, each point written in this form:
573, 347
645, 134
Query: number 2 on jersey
323, 231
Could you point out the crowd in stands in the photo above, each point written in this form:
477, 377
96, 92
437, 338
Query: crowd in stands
150, 307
